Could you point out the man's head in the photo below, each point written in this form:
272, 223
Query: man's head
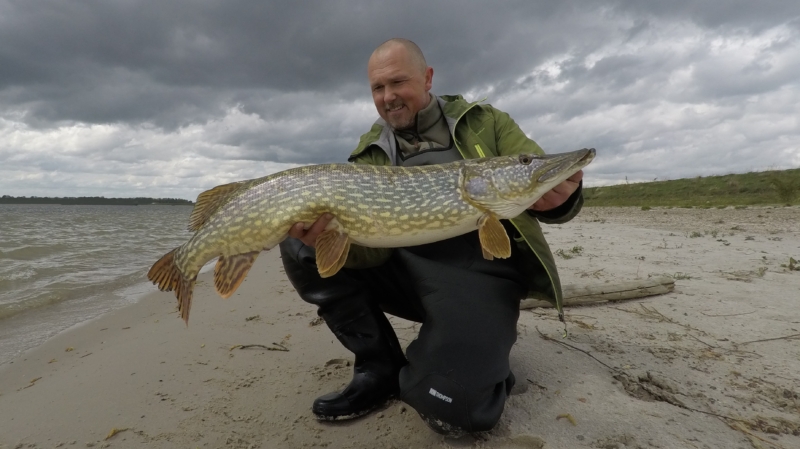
400, 80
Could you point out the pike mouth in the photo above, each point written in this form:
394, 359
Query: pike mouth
568, 165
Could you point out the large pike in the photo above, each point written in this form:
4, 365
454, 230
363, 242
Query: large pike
373, 206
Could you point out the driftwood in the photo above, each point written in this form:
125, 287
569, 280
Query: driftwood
590, 294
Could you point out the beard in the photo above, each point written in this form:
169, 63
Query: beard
400, 122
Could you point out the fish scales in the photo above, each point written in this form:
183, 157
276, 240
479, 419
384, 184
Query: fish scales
370, 203
373, 206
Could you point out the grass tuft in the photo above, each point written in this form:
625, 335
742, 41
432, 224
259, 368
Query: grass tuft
787, 187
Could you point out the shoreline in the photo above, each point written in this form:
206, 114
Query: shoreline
139, 368
128, 294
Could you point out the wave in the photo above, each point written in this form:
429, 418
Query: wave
34, 252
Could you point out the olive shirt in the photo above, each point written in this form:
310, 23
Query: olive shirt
478, 130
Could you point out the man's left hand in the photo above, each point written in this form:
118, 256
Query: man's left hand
559, 194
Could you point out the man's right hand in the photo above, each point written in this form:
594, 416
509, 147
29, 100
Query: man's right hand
309, 236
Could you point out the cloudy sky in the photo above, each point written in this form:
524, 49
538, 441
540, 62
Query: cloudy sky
168, 98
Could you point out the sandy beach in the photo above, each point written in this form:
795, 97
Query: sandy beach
713, 364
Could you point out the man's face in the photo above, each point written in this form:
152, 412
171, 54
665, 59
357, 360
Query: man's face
399, 87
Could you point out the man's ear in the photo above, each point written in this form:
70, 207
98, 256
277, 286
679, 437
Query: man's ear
428, 78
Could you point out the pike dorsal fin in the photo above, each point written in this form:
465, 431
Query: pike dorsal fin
230, 272
332, 249
493, 237
208, 202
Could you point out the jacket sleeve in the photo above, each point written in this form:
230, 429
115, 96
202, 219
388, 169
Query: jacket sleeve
511, 140
509, 137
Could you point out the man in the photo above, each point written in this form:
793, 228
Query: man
456, 375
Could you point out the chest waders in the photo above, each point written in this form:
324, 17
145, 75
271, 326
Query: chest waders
457, 374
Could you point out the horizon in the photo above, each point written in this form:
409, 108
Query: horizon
192, 200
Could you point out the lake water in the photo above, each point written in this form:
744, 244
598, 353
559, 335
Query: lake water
63, 265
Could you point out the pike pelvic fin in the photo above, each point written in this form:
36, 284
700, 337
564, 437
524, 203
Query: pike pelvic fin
230, 272
332, 250
493, 237
166, 275
209, 202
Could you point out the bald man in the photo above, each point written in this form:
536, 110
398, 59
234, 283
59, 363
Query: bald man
456, 373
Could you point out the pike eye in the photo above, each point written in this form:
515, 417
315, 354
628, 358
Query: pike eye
524, 159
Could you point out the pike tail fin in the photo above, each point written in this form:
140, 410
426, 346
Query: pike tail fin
168, 277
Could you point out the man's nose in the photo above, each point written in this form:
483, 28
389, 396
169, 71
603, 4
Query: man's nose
389, 95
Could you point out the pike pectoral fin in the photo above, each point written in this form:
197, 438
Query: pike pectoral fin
332, 249
493, 236
230, 272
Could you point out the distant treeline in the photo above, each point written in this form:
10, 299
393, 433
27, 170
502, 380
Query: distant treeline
775, 187
92, 200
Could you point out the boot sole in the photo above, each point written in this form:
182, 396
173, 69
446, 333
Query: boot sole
333, 418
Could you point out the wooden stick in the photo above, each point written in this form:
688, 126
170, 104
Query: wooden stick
575, 296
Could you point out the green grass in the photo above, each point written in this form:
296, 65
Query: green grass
738, 190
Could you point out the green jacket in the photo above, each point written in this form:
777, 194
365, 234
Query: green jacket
480, 131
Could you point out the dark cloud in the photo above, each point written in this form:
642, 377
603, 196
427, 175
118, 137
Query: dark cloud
207, 90
750, 15
101, 61
178, 62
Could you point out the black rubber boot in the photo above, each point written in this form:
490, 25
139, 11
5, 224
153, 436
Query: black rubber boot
364, 330
349, 308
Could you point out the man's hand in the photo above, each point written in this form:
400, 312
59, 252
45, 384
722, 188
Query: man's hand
309, 236
559, 194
